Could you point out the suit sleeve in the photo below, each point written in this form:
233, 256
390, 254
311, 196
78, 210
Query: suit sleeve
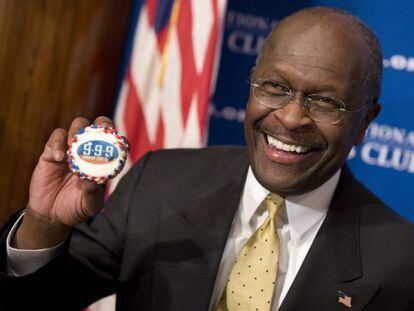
88, 266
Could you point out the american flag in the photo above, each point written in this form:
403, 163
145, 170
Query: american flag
344, 299
165, 96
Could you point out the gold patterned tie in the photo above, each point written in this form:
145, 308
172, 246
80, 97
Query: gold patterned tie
253, 277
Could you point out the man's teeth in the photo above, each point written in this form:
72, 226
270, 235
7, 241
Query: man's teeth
282, 146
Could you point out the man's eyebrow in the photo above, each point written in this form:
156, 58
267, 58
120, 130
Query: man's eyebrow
274, 70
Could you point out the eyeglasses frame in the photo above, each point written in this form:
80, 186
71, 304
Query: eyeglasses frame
293, 92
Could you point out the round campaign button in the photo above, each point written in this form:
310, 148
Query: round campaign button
97, 153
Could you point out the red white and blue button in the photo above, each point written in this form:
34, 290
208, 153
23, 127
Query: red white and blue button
97, 153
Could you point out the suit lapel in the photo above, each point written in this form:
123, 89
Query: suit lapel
193, 238
333, 265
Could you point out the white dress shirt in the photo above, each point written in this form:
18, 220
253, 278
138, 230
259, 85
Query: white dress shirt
21, 262
297, 226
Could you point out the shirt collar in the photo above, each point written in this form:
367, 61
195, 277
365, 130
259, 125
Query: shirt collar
302, 211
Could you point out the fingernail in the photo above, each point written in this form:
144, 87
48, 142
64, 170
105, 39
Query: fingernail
58, 155
105, 124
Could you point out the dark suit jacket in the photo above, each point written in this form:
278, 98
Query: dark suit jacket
159, 242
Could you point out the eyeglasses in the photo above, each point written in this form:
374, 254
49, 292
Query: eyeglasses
320, 108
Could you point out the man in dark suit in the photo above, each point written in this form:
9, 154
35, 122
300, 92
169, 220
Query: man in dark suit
164, 239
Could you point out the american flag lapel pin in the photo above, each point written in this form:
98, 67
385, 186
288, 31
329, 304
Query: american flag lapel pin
344, 299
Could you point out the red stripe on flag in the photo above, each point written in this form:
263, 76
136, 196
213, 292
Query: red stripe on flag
151, 6
135, 125
189, 77
207, 73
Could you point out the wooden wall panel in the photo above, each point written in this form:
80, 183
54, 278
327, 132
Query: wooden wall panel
58, 60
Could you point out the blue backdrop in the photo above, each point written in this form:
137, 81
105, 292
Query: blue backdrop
385, 161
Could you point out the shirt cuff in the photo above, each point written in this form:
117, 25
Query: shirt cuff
21, 262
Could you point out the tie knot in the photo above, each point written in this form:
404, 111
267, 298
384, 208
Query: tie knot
273, 204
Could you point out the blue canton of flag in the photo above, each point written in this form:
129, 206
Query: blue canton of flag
162, 15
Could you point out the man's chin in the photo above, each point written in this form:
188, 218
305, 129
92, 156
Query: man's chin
283, 181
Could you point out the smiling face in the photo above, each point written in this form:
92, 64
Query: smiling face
289, 152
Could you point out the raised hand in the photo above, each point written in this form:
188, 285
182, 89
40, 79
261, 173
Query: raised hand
58, 199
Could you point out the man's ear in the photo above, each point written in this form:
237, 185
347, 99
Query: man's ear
370, 115
252, 71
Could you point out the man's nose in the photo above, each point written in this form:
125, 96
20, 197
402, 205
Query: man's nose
293, 115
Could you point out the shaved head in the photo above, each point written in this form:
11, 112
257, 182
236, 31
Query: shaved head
333, 16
